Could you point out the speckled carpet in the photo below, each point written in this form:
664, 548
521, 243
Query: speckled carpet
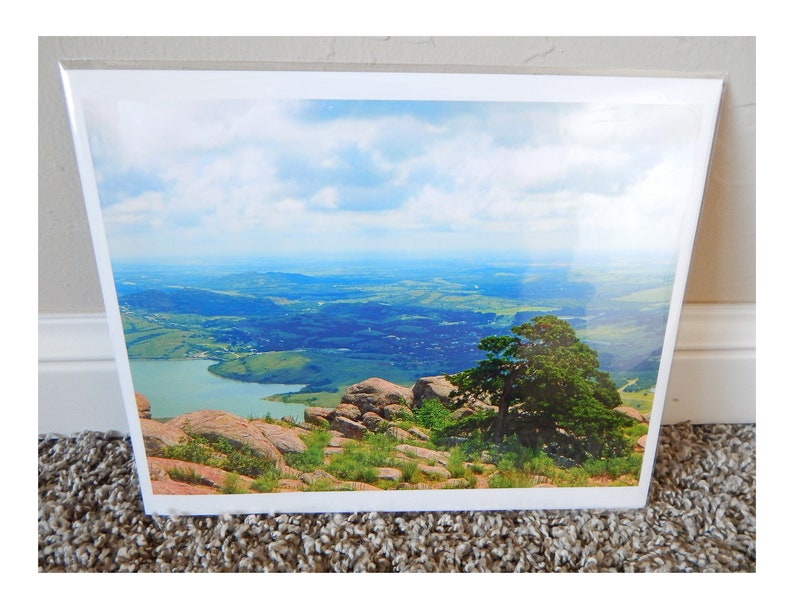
700, 518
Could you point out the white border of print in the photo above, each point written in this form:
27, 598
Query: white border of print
163, 85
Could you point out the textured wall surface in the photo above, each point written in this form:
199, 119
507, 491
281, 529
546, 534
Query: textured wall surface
723, 264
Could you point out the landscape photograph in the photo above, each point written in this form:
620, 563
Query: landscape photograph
327, 294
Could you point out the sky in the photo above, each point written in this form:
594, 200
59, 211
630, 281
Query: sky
369, 178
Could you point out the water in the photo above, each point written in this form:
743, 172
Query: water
174, 387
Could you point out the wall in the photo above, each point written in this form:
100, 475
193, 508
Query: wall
723, 263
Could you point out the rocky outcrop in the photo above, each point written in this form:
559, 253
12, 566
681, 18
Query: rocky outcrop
398, 433
374, 394
433, 388
144, 406
396, 411
317, 416
348, 428
412, 451
372, 421
157, 436
372, 406
238, 431
285, 439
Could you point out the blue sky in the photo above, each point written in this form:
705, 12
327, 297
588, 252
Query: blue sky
321, 178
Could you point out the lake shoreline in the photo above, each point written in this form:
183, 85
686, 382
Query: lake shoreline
178, 386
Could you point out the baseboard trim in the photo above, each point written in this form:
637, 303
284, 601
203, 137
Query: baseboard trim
712, 378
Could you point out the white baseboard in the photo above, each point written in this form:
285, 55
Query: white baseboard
712, 378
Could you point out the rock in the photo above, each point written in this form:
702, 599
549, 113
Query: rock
206, 475
144, 406
462, 412
436, 472
356, 486
337, 441
633, 413
417, 433
390, 474
329, 451
318, 475
169, 487
317, 416
240, 432
348, 428
375, 393
350, 411
291, 485
396, 411
439, 457
433, 388
642, 441
157, 436
286, 440
398, 433
373, 421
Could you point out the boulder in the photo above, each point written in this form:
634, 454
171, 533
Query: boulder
317, 416
390, 474
144, 406
395, 411
375, 393
439, 457
350, 411
157, 436
337, 441
285, 439
642, 441
318, 475
348, 428
433, 388
633, 413
239, 431
372, 421
462, 412
398, 433
419, 434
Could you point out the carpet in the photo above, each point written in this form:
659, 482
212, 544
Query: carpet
700, 517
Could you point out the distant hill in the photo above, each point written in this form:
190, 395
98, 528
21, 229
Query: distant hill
199, 302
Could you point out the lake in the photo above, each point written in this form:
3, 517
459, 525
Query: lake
174, 387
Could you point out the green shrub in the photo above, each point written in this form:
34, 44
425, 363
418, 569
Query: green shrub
500, 480
231, 485
474, 428
359, 460
312, 457
321, 485
512, 478
266, 482
432, 414
410, 471
192, 449
541, 464
614, 467
187, 476
455, 463
244, 462
352, 467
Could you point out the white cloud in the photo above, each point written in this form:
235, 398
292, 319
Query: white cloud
243, 176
